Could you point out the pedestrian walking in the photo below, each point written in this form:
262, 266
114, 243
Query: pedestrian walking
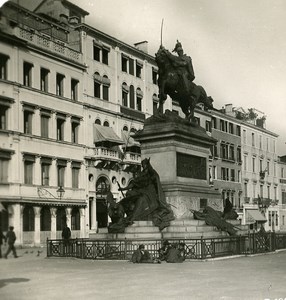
2, 237
11, 238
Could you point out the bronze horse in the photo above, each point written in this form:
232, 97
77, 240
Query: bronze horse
170, 83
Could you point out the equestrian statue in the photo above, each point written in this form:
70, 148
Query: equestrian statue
176, 76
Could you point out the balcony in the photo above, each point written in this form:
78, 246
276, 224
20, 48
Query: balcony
106, 154
46, 43
132, 158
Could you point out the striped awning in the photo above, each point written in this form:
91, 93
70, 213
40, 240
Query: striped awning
105, 134
254, 215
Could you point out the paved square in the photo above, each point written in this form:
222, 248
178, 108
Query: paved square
37, 277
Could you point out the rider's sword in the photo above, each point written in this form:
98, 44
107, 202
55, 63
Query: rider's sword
162, 32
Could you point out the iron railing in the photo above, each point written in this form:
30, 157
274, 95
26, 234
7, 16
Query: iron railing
202, 248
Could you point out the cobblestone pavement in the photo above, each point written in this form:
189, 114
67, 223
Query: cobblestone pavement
33, 276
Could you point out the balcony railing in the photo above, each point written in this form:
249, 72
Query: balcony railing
106, 153
132, 158
47, 43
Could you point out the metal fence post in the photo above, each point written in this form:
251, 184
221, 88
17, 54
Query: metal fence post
125, 249
202, 248
48, 252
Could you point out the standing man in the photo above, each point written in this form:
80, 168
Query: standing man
66, 235
2, 237
11, 238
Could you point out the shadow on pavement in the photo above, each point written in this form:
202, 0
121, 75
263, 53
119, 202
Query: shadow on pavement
4, 282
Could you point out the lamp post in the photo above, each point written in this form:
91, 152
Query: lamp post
60, 192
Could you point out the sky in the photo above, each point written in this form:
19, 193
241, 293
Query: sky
238, 47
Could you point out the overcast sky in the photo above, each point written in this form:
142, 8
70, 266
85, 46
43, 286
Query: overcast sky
238, 47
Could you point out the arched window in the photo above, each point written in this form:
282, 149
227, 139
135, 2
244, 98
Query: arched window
133, 130
132, 97
125, 128
97, 84
125, 91
105, 87
102, 188
75, 219
45, 219
97, 121
61, 218
139, 96
106, 124
155, 99
28, 219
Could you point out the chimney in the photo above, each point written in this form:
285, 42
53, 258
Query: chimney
143, 46
229, 110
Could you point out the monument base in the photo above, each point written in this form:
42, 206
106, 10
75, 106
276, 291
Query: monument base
180, 152
186, 198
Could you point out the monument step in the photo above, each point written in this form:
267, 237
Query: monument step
142, 223
187, 222
201, 228
102, 230
141, 235
193, 235
142, 229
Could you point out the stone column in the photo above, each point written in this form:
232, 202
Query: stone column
67, 134
68, 181
93, 224
82, 222
38, 171
53, 126
14, 214
37, 230
53, 173
36, 123
68, 215
53, 211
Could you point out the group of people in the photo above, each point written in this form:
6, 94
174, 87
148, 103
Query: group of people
171, 253
10, 239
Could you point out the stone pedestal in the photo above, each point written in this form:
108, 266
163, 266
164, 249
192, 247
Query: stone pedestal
180, 153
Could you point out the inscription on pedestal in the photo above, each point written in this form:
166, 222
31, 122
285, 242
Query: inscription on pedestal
191, 166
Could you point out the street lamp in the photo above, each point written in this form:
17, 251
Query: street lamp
60, 192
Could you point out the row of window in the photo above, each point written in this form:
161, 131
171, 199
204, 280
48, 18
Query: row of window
259, 142
262, 167
226, 126
45, 119
227, 152
29, 165
128, 64
261, 193
44, 78
226, 174
132, 98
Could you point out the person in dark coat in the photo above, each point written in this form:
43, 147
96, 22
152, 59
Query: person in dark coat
66, 235
2, 237
141, 255
11, 238
163, 251
176, 254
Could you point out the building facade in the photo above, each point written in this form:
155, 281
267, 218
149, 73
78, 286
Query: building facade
71, 98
